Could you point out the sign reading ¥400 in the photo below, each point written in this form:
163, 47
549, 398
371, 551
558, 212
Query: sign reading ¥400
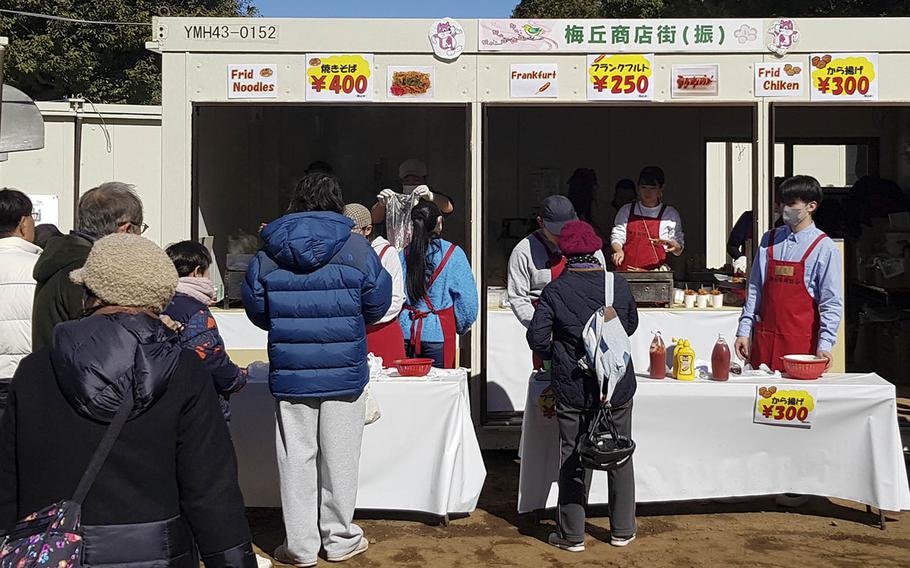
624, 36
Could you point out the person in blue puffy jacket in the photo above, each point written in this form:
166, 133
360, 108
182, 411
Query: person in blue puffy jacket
441, 293
315, 286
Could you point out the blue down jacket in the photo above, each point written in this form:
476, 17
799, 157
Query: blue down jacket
315, 287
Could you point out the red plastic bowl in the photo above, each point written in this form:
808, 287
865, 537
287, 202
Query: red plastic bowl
417, 367
804, 367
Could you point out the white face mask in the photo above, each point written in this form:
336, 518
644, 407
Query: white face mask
793, 216
409, 188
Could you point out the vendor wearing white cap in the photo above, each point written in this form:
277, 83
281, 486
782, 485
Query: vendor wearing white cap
413, 175
646, 230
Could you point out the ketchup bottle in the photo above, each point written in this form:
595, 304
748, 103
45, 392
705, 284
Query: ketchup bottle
658, 357
720, 360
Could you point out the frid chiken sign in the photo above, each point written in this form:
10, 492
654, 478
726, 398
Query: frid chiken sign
252, 81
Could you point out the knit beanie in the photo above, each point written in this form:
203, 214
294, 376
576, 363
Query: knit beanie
359, 214
123, 269
578, 238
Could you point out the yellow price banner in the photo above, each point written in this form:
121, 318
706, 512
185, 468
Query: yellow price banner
844, 76
781, 406
339, 77
623, 76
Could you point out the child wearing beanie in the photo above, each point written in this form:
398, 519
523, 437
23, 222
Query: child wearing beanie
566, 305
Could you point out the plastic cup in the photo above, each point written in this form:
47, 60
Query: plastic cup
702, 301
690, 301
717, 300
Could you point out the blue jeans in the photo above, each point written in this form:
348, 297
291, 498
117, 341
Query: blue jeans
431, 350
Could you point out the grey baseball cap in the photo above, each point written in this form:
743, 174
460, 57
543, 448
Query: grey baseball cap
555, 212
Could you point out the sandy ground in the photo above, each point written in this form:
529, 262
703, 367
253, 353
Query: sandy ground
824, 532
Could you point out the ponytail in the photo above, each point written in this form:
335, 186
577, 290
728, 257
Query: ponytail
424, 217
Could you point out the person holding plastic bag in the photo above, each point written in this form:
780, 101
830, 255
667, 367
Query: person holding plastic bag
557, 332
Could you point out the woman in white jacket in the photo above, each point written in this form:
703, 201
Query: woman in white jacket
17, 286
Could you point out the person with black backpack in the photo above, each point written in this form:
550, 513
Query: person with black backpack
115, 419
557, 331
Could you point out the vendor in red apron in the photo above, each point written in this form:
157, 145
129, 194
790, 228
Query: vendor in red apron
647, 230
384, 338
440, 291
795, 302
536, 260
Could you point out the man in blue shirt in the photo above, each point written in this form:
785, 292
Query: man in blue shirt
795, 301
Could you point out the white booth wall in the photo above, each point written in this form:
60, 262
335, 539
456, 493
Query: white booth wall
132, 156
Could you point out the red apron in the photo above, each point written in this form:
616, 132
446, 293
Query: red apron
557, 265
385, 339
446, 319
789, 319
639, 251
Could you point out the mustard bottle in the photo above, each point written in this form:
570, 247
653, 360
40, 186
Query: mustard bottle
684, 358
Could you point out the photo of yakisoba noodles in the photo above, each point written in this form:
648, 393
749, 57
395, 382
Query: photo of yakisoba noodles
410, 83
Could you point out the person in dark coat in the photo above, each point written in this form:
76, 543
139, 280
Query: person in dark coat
315, 286
112, 207
169, 484
566, 305
197, 329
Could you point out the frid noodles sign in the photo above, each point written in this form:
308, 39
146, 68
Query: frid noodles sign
780, 406
844, 76
339, 77
622, 36
620, 77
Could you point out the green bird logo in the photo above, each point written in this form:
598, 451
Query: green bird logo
532, 30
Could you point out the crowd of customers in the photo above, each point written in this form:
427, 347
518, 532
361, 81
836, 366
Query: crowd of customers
101, 323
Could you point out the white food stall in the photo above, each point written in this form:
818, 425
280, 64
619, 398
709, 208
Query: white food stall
502, 112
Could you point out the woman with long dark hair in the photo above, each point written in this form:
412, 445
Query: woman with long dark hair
440, 291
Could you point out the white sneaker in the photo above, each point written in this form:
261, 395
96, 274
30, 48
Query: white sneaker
621, 540
563, 544
282, 555
361, 547
263, 562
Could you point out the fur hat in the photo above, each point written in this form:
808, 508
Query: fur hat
359, 214
127, 270
578, 238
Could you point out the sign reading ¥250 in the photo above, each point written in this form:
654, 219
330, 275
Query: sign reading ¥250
623, 76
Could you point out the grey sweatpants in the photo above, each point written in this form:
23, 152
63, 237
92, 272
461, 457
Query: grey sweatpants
575, 480
318, 443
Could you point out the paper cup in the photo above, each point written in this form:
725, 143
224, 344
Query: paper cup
718, 300
690, 301
702, 301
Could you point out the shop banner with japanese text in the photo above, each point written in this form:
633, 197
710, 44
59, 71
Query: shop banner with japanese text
844, 76
339, 77
785, 406
624, 36
620, 77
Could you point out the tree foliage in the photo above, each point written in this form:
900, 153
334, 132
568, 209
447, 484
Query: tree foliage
51, 59
707, 8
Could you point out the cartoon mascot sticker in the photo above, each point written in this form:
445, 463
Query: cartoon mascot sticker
447, 38
784, 36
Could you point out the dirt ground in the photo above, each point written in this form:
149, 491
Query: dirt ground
823, 532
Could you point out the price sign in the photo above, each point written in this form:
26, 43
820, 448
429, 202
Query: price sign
844, 76
620, 77
344, 77
780, 406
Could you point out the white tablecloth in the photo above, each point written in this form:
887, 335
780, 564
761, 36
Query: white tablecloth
509, 359
422, 455
697, 441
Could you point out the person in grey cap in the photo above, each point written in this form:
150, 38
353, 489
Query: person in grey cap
536, 260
